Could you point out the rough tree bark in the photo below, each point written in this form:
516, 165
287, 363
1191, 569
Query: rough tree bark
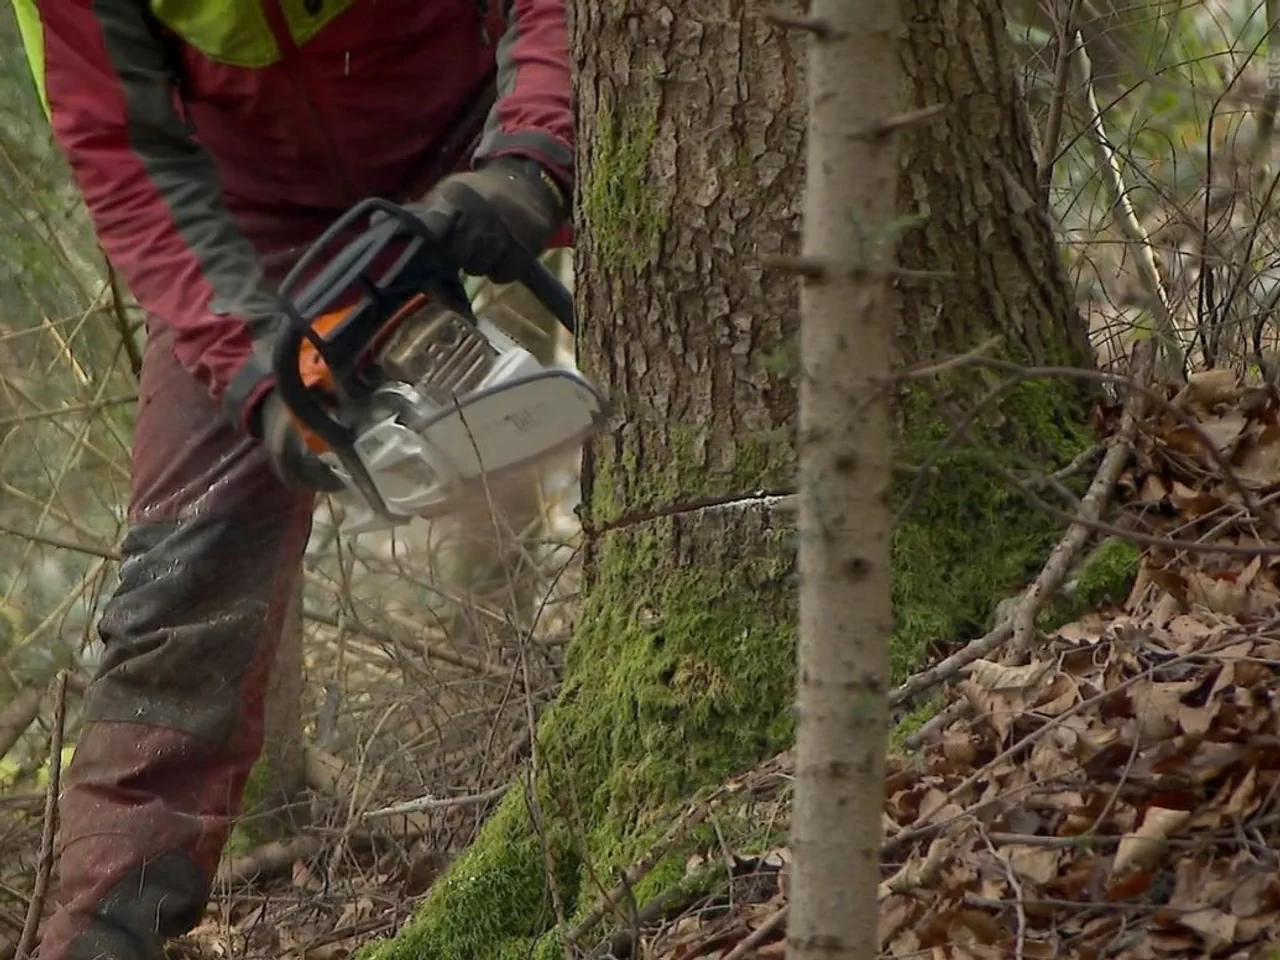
845, 448
691, 166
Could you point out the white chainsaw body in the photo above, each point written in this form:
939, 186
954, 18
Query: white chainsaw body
424, 446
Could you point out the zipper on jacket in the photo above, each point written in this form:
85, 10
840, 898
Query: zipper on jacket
334, 154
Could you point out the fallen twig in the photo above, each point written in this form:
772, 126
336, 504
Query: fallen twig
1053, 126
26, 944
423, 804
1065, 553
771, 923
1015, 885
1108, 163
26, 800
664, 907
23, 709
415, 644
269, 859
936, 724
950, 666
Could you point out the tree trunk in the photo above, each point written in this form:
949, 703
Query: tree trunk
964, 536
691, 130
845, 449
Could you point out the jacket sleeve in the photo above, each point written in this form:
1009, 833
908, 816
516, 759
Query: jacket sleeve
533, 114
153, 192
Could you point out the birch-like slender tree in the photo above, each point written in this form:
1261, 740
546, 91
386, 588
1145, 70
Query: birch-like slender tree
845, 444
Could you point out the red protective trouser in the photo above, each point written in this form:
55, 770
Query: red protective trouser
175, 716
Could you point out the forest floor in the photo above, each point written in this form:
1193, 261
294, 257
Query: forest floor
1114, 791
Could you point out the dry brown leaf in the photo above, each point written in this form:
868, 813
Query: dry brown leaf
1047, 759
1132, 885
906, 944
919, 871
1157, 707
1172, 941
1188, 888
1191, 502
932, 801
1244, 799
1188, 632
959, 747
1084, 632
1153, 489
1225, 431
1002, 678
987, 706
896, 912
1168, 605
1249, 929
975, 927
1208, 388
1258, 459
1058, 697
1211, 759
1196, 721
1039, 864
1142, 848
1246, 898
1218, 594
1218, 929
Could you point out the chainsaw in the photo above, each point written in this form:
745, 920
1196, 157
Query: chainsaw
400, 390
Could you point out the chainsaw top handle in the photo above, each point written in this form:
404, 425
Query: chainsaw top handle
423, 268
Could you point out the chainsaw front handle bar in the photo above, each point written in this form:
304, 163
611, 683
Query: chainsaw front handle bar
396, 221
551, 293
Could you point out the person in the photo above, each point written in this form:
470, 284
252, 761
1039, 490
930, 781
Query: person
212, 141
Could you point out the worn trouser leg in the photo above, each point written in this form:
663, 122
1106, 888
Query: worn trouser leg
174, 718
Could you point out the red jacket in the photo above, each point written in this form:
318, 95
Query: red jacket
212, 140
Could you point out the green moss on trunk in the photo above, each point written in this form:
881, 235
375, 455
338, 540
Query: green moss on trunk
616, 196
968, 538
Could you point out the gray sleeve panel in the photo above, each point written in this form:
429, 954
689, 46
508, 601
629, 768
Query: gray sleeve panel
181, 171
515, 93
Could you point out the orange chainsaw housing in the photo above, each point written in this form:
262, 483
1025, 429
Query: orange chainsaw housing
316, 373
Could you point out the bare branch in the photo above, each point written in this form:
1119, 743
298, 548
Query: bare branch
36, 908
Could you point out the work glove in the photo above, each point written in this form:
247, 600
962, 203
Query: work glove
291, 460
494, 219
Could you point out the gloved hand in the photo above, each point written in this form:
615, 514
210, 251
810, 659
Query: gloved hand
295, 465
484, 216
